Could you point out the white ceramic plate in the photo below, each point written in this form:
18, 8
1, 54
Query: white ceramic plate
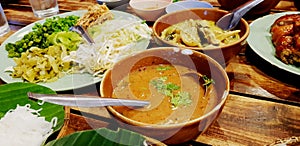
260, 41
68, 82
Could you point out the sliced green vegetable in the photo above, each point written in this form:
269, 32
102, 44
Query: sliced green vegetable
39, 34
100, 137
69, 39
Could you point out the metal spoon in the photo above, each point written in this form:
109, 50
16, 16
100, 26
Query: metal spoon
230, 20
80, 30
85, 101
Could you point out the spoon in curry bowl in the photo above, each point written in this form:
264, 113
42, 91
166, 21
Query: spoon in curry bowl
230, 20
85, 101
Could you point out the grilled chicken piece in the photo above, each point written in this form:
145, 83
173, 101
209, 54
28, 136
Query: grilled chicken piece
286, 38
282, 26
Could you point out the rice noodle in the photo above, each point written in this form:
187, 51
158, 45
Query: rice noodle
24, 126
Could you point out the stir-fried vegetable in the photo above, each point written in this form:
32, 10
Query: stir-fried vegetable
41, 65
46, 65
199, 33
39, 34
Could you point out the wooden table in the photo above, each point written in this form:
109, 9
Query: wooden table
263, 105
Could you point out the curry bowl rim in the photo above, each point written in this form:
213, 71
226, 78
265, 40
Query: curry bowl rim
216, 108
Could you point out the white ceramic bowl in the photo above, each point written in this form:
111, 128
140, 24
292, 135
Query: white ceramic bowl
149, 10
182, 5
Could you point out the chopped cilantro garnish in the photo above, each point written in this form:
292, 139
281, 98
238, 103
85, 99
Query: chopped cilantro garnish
163, 68
169, 89
171, 86
182, 98
159, 83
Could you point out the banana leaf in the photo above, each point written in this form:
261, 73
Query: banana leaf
100, 137
16, 93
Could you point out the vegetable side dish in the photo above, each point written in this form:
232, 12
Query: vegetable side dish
51, 51
285, 33
38, 37
41, 65
199, 33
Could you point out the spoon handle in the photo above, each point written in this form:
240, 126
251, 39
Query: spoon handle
81, 31
85, 101
240, 11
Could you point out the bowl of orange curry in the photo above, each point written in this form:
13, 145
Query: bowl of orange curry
186, 90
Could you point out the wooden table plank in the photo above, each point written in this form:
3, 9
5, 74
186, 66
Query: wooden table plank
246, 78
21, 13
64, 5
244, 121
247, 121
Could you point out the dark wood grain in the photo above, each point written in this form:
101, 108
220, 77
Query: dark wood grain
243, 121
245, 78
253, 122
263, 105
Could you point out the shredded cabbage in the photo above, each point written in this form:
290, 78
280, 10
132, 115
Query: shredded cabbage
114, 40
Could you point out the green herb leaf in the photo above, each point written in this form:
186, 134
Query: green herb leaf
207, 81
163, 68
159, 83
171, 86
102, 136
182, 98
169, 89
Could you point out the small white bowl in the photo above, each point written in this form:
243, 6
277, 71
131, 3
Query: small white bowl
182, 5
149, 10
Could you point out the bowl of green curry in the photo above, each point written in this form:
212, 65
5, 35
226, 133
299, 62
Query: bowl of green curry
196, 29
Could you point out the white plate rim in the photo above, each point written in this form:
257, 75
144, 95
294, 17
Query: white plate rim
260, 42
